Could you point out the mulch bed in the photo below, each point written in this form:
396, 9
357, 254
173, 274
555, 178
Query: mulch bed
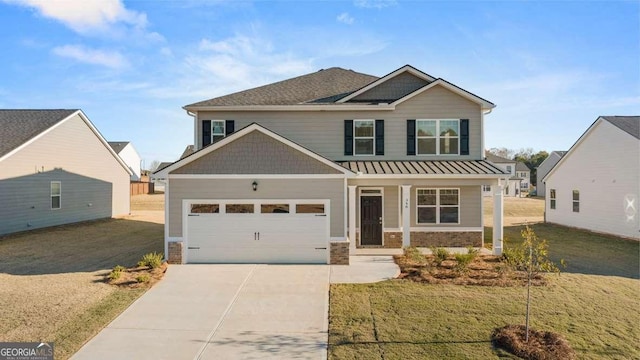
542, 345
484, 270
128, 276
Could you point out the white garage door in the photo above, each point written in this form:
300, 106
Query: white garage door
273, 231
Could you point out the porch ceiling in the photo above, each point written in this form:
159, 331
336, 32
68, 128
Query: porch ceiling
439, 167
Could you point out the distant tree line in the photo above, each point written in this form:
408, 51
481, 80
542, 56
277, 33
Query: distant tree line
528, 156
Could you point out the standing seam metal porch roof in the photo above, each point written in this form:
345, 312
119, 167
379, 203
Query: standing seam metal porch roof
426, 167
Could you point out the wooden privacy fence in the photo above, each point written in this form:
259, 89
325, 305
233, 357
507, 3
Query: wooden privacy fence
139, 187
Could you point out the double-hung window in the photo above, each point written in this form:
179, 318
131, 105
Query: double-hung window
552, 199
438, 137
363, 137
438, 206
56, 195
217, 130
576, 200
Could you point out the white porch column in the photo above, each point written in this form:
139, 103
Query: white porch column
497, 218
406, 215
352, 218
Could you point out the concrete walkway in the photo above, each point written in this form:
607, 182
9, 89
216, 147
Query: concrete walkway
233, 312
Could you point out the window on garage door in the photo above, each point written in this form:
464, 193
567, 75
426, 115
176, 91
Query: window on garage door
205, 208
310, 208
239, 208
274, 208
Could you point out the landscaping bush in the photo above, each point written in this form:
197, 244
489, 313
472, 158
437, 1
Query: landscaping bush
439, 255
463, 261
116, 272
144, 278
413, 254
152, 260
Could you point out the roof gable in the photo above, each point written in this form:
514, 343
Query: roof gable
398, 81
118, 146
262, 150
19, 126
628, 124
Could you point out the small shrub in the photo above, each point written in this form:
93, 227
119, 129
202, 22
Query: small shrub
114, 275
472, 251
463, 261
439, 255
119, 268
144, 278
413, 254
152, 260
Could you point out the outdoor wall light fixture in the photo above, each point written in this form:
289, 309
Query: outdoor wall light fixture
255, 186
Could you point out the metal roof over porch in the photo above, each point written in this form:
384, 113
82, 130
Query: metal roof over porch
434, 167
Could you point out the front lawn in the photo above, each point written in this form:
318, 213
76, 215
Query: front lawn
401, 319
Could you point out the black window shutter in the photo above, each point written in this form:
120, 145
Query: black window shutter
411, 137
464, 136
379, 137
348, 137
206, 132
229, 127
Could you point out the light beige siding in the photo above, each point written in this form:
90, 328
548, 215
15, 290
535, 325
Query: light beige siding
256, 153
323, 131
332, 189
74, 148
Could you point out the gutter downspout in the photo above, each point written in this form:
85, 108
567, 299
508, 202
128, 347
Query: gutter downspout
195, 128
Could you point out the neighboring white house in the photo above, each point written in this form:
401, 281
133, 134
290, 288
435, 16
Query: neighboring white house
523, 172
544, 168
129, 155
56, 168
514, 185
595, 185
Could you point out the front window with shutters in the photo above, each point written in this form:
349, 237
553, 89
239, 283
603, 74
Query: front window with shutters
363, 137
438, 206
217, 130
438, 137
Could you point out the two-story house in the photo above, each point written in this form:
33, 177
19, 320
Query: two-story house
519, 176
523, 172
309, 169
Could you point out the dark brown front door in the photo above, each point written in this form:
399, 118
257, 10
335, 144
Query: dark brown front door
371, 220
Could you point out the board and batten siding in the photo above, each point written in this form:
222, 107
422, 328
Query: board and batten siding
74, 148
605, 168
268, 189
323, 131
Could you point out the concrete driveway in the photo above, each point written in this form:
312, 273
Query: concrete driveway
223, 312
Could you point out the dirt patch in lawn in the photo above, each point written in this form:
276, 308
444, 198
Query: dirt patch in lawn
147, 202
138, 277
483, 270
542, 345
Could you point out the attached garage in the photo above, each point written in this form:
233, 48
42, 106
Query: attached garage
256, 231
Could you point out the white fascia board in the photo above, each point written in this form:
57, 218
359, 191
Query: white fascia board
298, 107
440, 82
237, 135
572, 148
381, 80
258, 176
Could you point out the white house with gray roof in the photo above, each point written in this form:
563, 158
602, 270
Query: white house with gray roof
544, 168
313, 168
56, 168
519, 176
596, 184
129, 155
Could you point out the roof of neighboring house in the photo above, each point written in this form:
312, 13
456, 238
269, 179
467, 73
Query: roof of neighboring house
629, 124
118, 146
163, 165
190, 149
440, 167
496, 159
20, 126
317, 86
560, 153
520, 166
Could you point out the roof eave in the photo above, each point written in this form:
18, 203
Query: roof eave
295, 107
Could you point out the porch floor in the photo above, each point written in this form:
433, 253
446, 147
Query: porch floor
426, 251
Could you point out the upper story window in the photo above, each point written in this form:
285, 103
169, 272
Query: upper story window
438, 137
552, 199
56, 195
364, 137
576, 200
217, 130
509, 169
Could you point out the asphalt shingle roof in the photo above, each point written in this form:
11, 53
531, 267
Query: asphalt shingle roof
629, 124
520, 166
496, 159
19, 126
117, 146
322, 86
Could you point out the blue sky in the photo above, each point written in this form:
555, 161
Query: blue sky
551, 67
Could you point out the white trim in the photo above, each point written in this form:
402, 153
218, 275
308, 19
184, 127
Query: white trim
465, 94
400, 207
446, 229
345, 198
373, 137
437, 137
240, 133
437, 206
52, 195
352, 195
86, 120
407, 68
297, 107
256, 176
381, 196
406, 215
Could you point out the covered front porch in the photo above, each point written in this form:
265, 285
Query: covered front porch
389, 211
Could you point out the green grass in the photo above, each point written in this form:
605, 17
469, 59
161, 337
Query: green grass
405, 320
70, 337
583, 251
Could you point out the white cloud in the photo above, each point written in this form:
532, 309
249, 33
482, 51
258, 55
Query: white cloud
374, 4
84, 16
345, 18
79, 53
